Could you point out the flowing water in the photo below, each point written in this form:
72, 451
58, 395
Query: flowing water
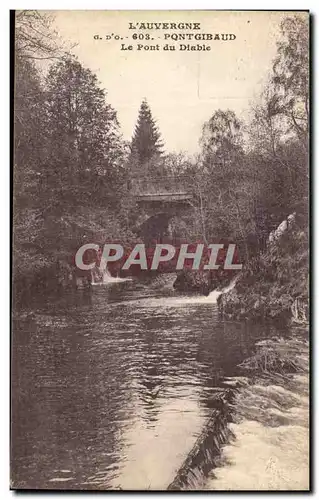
270, 449
111, 389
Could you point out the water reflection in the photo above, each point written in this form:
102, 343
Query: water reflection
112, 389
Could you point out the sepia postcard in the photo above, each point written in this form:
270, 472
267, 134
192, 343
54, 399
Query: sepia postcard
160, 257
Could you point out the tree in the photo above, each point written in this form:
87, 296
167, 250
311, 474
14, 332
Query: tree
146, 141
291, 75
222, 137
219, 179
86, 148
34, 36
29, 129
278, 132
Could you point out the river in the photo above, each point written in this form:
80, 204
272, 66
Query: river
112, 388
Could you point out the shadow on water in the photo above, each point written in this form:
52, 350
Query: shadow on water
112, 389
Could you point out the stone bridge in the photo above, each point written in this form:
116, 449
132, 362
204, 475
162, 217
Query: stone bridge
160, 199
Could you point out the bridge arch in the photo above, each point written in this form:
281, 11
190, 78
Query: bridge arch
156, 228
160, 200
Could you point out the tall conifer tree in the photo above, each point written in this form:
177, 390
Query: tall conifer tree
146, 141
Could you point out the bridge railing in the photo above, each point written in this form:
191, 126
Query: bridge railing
161, 185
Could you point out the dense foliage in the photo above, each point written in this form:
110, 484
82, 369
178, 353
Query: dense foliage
75, 177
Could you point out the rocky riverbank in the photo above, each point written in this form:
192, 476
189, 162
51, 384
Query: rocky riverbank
274, 285
268, 447
202, 282
264, 408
